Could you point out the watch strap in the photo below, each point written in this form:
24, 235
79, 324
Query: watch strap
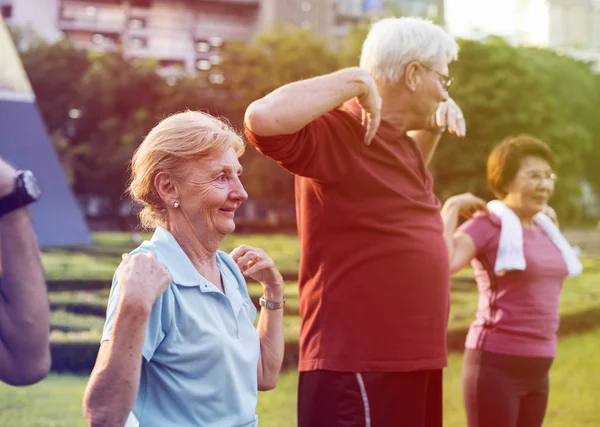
270, 304
18, 198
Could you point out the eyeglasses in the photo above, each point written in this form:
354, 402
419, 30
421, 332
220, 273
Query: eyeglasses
539, 177
445, 80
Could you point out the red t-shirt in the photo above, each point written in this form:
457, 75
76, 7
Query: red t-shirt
374, 273
517, 312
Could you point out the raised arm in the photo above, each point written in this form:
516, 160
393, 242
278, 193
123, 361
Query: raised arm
461, 248
291, 107
449, 117
113, 385
255, 263
24, 309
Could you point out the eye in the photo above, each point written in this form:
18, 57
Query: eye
222, 177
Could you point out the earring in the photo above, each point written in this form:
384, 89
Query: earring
175, 205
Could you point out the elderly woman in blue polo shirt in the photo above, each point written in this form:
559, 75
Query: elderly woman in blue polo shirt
179, 347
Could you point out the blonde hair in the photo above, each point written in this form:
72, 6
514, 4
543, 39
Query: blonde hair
169, 147
393, 43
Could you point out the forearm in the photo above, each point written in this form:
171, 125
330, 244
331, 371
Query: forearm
293, 106
270, 333
427, 141
24, 308
113, 385
450, 213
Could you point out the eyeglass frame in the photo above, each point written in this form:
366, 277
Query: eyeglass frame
445, 80
552, 177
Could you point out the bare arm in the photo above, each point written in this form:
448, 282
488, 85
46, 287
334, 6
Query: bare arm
448, 116
113, 385
255, 263
427, 141
24, 308
461, 248
291, 107
272, 343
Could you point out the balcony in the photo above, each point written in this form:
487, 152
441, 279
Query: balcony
77, 16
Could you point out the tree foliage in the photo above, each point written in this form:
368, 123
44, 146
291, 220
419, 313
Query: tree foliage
503, 90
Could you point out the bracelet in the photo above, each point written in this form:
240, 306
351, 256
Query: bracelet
270, 304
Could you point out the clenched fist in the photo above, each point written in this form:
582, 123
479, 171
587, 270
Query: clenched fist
142, 278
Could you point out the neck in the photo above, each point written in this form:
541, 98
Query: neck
396, 108
525, 217
200, 249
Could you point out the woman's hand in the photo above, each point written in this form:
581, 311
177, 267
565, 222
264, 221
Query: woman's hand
467, 204
142, 278
255, 263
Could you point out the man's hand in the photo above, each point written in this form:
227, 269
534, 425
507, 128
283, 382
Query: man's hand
370, 103
449, 116
548, 210
8, 174
142, 279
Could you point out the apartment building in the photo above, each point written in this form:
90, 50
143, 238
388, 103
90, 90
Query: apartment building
183, 35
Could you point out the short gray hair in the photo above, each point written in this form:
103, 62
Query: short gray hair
394, 42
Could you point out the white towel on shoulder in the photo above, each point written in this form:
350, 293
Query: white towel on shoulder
510, 248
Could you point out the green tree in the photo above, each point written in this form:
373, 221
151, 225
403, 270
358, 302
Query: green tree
506, 90
251, 71
55, 71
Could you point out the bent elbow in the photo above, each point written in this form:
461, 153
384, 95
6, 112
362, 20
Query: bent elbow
268, 382
260, 120
30, 371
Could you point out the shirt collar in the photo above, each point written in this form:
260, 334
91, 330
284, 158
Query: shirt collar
184, 273
170, 253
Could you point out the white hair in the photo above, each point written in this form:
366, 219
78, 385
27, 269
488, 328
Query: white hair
394, 42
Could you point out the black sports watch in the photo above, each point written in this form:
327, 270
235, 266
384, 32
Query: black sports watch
26, 191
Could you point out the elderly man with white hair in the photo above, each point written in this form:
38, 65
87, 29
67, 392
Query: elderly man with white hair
374, 272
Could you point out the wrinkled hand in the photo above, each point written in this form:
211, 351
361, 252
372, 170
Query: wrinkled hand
370, 103
468, 204
255, 263
142, 278
449, 116
548, 210
8, 174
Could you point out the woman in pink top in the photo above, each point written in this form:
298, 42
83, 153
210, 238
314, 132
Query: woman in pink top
512, 342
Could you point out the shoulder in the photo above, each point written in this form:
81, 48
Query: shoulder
483, 221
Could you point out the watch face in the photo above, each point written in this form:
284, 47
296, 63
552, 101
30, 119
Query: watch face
31, 186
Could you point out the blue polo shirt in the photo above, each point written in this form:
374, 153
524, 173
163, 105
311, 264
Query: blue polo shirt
201, 348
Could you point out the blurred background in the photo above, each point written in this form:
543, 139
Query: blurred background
104, 72
84, 81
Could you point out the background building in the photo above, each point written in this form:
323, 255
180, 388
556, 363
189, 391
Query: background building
184, 35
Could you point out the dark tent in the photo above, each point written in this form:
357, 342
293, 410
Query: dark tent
24, 142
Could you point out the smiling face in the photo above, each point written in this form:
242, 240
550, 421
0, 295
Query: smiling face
530, 191
211, 192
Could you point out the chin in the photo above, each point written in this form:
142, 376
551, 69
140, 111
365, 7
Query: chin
226, 228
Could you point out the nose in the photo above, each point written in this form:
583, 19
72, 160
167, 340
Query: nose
238, 192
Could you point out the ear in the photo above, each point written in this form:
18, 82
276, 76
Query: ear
166, 188
412, 77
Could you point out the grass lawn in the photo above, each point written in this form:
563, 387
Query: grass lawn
99, 261
575, 387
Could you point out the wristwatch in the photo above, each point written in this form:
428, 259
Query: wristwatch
270, 304
26, 191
